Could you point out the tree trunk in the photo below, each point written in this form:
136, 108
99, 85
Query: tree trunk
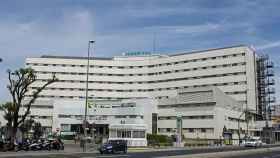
13, 134
12, 137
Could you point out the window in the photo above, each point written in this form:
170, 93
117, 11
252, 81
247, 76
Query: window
64, 116
138, 134
168, 129
120, 116
203, 130
123, 134
191, 130
65, 127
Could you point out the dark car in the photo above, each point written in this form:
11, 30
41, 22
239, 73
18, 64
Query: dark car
114, 146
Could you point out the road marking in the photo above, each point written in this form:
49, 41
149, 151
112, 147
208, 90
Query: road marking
109, 156
275, 156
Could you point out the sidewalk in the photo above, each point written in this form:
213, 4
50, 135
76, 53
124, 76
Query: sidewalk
223, 154
74, 149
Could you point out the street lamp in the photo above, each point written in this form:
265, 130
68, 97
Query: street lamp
246, 119
86, 104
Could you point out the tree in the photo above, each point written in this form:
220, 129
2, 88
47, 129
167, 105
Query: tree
26, 126
16, 111
38, 131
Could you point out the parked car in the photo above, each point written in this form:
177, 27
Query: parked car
253, 142
114, 146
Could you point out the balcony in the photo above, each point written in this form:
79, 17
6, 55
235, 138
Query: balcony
271, 90
270, 81
269, 73
271, 99
270, 64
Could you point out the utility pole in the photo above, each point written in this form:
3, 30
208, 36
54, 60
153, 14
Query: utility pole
86, 104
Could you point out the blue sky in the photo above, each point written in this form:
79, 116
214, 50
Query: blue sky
32, 28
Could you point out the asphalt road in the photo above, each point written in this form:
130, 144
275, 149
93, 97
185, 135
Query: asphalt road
167, 153
272, 154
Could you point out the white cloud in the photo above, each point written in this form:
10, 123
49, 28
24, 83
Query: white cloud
185, 29
66, 35
269, 45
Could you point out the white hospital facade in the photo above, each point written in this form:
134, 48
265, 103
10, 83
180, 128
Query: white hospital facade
210, 89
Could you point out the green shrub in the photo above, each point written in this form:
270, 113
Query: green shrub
67, 137
159, 139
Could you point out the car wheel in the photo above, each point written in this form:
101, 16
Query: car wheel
101, 152
125, 151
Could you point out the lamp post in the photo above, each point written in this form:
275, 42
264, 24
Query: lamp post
239, 126
86, 103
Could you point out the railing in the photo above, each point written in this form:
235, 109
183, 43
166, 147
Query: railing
271, 99
270, 64
271, 81
270, 73
271, 90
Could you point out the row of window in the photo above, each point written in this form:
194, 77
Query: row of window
185, 105
123, 105
40, 117
99, 117
78, 97
235, 119
155, 81
127, 134
42, 106
151, 90
187, 130
119, 98
186, 117
145, 74
129, 116
132, 67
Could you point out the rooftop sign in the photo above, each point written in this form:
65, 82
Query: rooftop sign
137, 53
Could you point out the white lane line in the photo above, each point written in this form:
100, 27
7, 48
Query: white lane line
105, 156
276, 156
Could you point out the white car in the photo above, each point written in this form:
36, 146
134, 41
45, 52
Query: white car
253, 142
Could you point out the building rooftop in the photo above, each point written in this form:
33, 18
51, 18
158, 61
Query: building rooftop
111, 58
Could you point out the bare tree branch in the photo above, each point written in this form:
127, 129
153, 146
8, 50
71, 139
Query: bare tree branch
19, 84
34, 97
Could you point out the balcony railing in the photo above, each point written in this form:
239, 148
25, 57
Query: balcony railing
271, 99
271, 90
270, 73
271, 81
270, 64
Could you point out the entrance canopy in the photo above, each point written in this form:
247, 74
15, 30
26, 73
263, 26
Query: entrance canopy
128, 126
